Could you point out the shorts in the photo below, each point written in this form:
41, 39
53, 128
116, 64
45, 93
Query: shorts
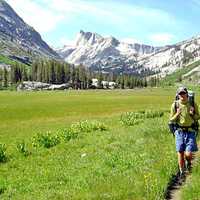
185, 141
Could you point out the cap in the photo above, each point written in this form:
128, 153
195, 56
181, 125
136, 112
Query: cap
182, 89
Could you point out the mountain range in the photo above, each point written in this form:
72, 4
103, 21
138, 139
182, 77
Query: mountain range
110, 54
106, 54
18, 39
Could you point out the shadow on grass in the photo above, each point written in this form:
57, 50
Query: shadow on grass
174, 185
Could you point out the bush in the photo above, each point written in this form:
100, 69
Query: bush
2, 153
3, 186
134, 118
21, 147
131, 119
84, 126
45, 140
153, 114
88, 126
69, 134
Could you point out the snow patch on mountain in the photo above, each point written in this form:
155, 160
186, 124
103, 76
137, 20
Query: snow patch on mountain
170, 58
108, 53
95, 51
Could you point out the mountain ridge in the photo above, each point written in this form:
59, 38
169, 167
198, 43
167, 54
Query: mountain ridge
18, 37
105, 53
111, 54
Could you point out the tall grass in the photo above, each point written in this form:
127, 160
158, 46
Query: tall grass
122, 162
191, 189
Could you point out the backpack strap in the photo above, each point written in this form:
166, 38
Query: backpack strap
176, 105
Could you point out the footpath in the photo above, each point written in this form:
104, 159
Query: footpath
173, 191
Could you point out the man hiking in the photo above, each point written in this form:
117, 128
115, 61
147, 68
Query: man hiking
184, 115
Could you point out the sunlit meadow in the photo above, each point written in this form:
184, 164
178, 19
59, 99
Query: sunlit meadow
83, 144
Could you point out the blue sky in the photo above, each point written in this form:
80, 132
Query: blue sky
154, 22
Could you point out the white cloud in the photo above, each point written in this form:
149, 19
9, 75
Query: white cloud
44, 15
41, 18
113, 18
161, 38
115, 13
82, 8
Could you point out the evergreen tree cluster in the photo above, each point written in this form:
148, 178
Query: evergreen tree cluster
78, 77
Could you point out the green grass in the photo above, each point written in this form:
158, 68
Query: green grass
8, 61
191, 189
122, 162
27, 112
176, 77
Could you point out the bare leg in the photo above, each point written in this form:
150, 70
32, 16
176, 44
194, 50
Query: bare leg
188, 157
181, 161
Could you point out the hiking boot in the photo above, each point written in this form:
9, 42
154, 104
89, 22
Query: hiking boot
181, 177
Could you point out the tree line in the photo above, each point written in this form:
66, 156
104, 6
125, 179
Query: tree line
78, 77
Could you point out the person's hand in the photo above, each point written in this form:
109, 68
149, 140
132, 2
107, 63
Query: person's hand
191, 110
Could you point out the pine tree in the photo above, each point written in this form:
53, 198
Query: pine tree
52, 74
5, 77
100, 79
1, 78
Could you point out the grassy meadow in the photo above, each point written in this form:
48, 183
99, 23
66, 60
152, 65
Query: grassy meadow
100, 158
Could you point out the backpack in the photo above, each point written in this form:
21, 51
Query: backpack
173, 126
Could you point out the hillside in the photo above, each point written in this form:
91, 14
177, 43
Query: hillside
18, 38
188, 74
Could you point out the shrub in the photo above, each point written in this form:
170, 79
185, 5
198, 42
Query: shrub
69, 134
84, 126
134, 118
88, 126
45, 140
153, 114
2, 186
131, 118
21, 147
2, 153
98, 126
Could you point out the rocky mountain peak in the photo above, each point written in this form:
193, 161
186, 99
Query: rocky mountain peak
112, 41
110, 54
87, 38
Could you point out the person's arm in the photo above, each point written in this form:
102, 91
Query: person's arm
174, 114
196, 115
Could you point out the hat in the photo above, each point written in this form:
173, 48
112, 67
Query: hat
182, 89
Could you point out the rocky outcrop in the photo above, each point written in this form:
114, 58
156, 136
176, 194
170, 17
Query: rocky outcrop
33, 85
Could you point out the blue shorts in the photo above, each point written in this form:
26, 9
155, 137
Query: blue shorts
185, 141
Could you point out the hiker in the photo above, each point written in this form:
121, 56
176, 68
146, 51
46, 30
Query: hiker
184, 115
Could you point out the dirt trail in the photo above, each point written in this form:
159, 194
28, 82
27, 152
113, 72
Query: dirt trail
173, 191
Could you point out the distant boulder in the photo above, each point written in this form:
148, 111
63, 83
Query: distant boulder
33, 85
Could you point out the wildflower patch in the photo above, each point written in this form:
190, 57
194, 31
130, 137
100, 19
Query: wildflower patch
134, 118
81, 127
46, 140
